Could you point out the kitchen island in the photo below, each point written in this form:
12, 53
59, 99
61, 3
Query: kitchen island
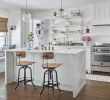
71, 74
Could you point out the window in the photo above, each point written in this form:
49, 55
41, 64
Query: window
2, 39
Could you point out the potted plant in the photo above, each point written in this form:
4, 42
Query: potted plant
30, 40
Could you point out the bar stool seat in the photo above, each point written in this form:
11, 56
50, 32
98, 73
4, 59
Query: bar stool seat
51, 65
50, 82
24, 65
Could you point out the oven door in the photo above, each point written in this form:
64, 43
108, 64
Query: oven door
100, 59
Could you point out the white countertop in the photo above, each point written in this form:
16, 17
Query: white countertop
60, 50
72, 47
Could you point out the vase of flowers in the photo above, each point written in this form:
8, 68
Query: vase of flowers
30, 41
86, 38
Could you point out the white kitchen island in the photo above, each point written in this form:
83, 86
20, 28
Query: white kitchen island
71, 74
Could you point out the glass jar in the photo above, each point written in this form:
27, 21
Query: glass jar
30, 45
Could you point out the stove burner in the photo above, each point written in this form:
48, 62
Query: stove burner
104, 48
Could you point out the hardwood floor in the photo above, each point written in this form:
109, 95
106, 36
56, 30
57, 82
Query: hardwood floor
92, 91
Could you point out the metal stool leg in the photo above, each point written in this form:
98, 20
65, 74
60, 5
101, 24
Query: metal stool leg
48, 79
25, 81
43, 82
57, 81
18, 78
31, 76
52, 80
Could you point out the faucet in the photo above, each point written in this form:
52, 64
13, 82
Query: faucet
49, 45
42, 46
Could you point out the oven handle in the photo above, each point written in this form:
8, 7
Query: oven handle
98, 53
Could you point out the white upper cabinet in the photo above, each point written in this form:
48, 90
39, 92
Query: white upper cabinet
101, 14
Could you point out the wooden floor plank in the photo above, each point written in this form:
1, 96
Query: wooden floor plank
92, 91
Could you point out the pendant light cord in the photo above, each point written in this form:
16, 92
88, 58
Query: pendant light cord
61, 10
26, 4
61, 4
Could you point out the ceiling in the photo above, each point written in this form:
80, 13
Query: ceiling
46, 4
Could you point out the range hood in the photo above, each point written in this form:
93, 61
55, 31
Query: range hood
102, 25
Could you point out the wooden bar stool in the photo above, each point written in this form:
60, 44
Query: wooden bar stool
24, 65
50, 83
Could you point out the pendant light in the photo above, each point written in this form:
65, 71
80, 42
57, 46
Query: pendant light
26, 15
60, 12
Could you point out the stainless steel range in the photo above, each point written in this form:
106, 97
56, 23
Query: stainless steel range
100, 57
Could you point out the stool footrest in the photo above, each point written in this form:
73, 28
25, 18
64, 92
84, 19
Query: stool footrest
50, 85
54, 83
24, 79
49, 80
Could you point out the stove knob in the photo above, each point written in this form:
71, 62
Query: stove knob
102, 50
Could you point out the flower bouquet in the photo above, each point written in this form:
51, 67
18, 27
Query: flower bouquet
87, 38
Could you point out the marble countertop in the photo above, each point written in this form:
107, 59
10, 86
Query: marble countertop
58, 51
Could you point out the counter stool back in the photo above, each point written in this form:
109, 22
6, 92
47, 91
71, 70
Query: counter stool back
50, 83
24, 65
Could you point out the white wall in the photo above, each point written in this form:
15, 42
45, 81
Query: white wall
101, 16
42, 14
99, 33
3, 13
19, 35
15, 19
26, 27
49, 14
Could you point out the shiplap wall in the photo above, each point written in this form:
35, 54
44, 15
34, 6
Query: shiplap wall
99, 33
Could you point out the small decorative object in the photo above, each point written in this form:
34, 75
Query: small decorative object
30, 40
86, 38
42, 47
87, 30
41, 34
13, 27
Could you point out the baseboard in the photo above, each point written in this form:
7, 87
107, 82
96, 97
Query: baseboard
2, 66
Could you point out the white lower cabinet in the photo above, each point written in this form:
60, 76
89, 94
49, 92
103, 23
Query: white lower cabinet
88, 54
88, 59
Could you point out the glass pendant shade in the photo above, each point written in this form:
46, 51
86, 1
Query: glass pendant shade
26, 16
60, 13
